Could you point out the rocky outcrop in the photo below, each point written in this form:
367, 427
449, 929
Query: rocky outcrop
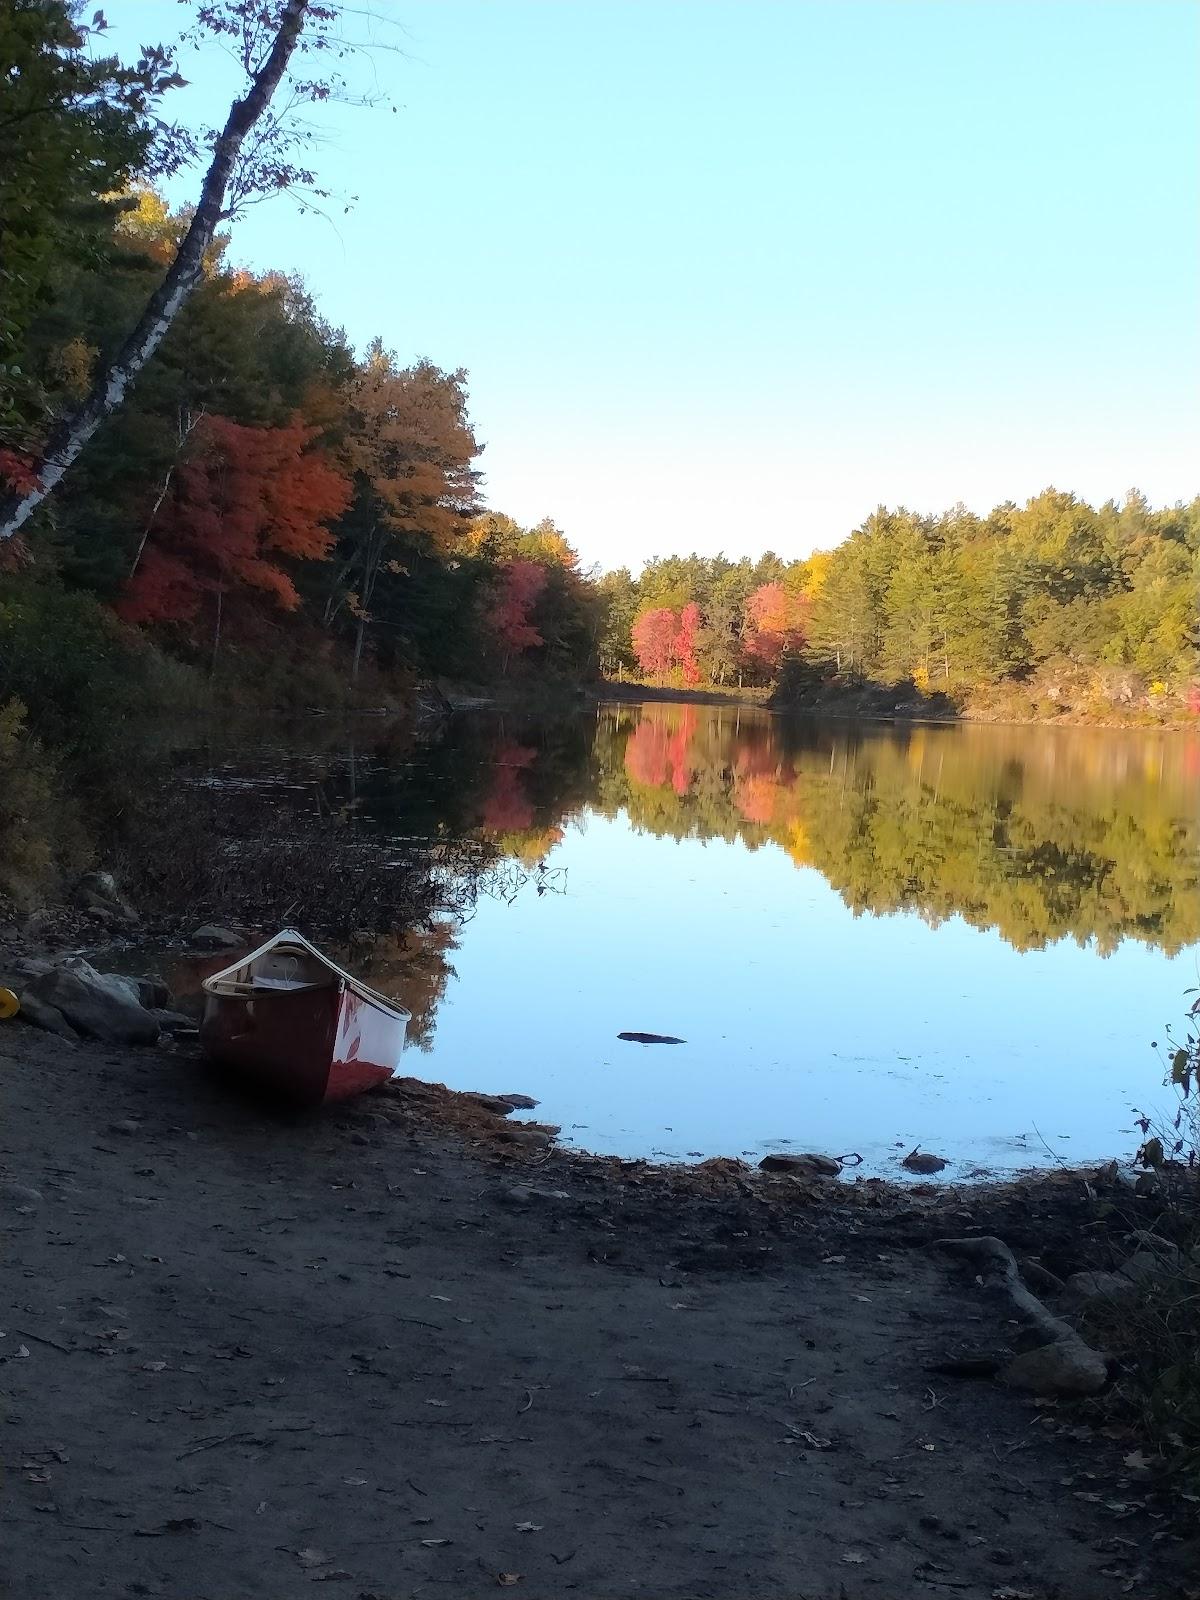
97, 1005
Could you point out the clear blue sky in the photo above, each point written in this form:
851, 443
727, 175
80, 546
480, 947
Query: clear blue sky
725, 276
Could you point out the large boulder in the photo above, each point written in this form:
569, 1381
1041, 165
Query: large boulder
45, 1016
101, 1006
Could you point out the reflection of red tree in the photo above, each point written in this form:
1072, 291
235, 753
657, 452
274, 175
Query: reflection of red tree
756, 796
506, 807
658, 750
685, 642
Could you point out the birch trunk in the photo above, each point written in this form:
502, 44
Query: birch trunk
71, 433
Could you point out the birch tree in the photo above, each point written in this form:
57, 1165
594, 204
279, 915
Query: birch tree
253, 154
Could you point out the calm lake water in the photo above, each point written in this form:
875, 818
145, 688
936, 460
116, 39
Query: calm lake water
869, 937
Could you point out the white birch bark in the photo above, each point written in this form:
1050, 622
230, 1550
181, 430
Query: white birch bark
71, 433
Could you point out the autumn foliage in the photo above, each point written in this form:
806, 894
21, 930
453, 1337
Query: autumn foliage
774, 625
509, 614
245, 501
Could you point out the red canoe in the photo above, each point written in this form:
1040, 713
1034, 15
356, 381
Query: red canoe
286, 1020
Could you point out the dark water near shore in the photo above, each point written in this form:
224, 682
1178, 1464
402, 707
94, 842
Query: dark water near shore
869, 937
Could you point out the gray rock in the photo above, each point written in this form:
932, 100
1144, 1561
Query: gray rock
520, 1195
1146, 1265
97, 892
173, 1021
153, 993
102, 1007
1150, 1243
809, 1165
45, 1016
1067, 1366
19, 1194
527, 1138
519, 1102
1096, 1285
24, 967
213, 937
489, 1102
128, 1127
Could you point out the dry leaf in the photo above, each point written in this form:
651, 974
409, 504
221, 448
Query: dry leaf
311, 1557
432, 1544
507, 1579
528, 1527
1137, 1462
853, 1558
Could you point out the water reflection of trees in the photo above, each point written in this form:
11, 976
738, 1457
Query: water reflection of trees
1038, 834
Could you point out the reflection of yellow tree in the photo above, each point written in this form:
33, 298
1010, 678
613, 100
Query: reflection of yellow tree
414, 968
1093, 835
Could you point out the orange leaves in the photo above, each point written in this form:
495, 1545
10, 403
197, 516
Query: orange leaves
243, 498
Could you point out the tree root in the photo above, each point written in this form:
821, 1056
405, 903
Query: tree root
1061, 1363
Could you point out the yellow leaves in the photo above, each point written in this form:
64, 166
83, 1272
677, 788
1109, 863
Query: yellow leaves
72, 365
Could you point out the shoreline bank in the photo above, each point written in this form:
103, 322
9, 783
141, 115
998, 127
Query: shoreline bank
504, 1360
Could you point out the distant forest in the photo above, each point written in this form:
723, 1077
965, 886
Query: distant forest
275, 518
1039, 608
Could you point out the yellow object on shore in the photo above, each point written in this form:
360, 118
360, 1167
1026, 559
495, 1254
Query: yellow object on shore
9, 1004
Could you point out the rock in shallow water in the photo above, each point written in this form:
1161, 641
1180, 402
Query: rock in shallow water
809, 1165
922, 1161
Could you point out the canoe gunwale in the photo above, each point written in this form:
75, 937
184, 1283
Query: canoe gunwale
226, 985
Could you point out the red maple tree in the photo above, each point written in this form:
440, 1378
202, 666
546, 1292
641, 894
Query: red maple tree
654, 641
245, 499
685, 642
774, 624
509, 615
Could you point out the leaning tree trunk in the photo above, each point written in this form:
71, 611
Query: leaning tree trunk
71, 433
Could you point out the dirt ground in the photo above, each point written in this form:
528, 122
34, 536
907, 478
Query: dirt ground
243, 1356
